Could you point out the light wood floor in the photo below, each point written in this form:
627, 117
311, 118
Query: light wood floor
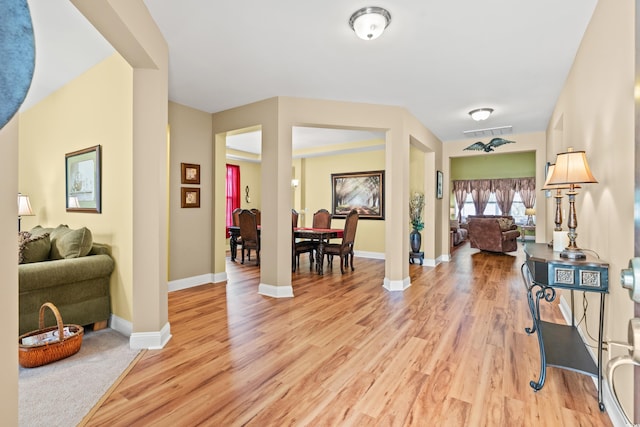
449, 351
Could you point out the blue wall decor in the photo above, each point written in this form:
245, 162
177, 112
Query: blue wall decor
17, 56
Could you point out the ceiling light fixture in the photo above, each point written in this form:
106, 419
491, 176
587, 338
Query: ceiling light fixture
369, 22
480, 114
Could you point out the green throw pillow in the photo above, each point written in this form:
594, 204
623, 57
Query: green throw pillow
38, 230
68, 243
33, 248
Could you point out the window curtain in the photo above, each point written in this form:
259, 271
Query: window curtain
527, 189
233, 192
505, 189
460, 190
480, 192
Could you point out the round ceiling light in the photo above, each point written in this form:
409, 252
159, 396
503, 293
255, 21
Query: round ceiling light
369, 22
480, 114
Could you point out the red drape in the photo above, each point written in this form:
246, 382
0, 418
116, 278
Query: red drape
233, 192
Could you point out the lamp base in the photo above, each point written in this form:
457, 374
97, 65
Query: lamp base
572, 253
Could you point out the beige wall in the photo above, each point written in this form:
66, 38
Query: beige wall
595, 113
317, 187
94, 109
191, 142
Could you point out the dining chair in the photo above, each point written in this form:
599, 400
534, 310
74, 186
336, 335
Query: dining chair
237, 240
249, 235
258, 215
345, 249
235, 215
301, 247
322, 219
294, 218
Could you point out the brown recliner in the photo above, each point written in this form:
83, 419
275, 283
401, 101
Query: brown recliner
486, 234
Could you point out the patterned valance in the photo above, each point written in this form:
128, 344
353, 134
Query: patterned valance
468, 185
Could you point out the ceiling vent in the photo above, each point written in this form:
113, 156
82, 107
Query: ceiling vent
501, 130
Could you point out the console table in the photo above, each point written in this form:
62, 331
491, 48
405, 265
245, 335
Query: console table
561, 345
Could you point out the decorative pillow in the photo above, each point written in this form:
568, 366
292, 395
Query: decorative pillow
505, 223
68, 243
33, 248
39, 230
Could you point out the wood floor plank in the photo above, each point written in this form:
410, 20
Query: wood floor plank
450, 350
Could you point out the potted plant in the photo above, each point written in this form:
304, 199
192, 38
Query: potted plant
416, 205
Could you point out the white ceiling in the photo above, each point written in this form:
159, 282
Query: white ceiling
438, 59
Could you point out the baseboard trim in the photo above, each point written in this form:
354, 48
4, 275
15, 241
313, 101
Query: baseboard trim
151, 340
430, 262
396, 285
203, 279
372, 255
275, 291
613, 411
121, 325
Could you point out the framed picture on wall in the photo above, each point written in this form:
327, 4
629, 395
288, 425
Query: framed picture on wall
363, 191
189, 197
439, 179
83, 184
190, 173
547, 193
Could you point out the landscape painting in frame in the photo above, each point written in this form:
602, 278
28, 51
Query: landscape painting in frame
362, 191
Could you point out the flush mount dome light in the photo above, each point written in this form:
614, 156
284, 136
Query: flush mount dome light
369, 22
480, 114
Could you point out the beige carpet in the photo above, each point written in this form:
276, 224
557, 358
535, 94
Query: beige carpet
62, 393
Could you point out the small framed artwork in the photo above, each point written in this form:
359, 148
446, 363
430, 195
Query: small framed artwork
83, 184
190, 173
190, 197
439, 179
547, 193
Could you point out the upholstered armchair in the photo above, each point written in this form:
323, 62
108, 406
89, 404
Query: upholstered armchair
493, 234
458, 234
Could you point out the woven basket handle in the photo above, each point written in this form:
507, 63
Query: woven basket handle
58, 319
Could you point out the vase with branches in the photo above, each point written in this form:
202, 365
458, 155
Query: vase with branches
416, 206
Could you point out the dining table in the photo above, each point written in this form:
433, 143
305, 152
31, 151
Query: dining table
322, 235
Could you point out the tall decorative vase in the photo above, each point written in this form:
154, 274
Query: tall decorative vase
416, 240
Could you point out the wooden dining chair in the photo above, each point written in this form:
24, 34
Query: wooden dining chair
294, 218
345, 249
301, 247
249, 235
235, 215
322, 219
258, 215
237, 240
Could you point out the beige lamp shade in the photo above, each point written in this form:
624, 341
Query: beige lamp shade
24, 206
571, 168
548, 186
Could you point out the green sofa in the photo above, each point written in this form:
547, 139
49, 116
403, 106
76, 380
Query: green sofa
76, 280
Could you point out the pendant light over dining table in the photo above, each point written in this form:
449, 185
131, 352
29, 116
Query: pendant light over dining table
369, 22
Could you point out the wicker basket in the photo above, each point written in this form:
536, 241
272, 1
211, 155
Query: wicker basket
31, 356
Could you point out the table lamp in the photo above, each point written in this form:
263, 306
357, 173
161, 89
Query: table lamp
571, 168
24, 207
558, 196
530, 212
